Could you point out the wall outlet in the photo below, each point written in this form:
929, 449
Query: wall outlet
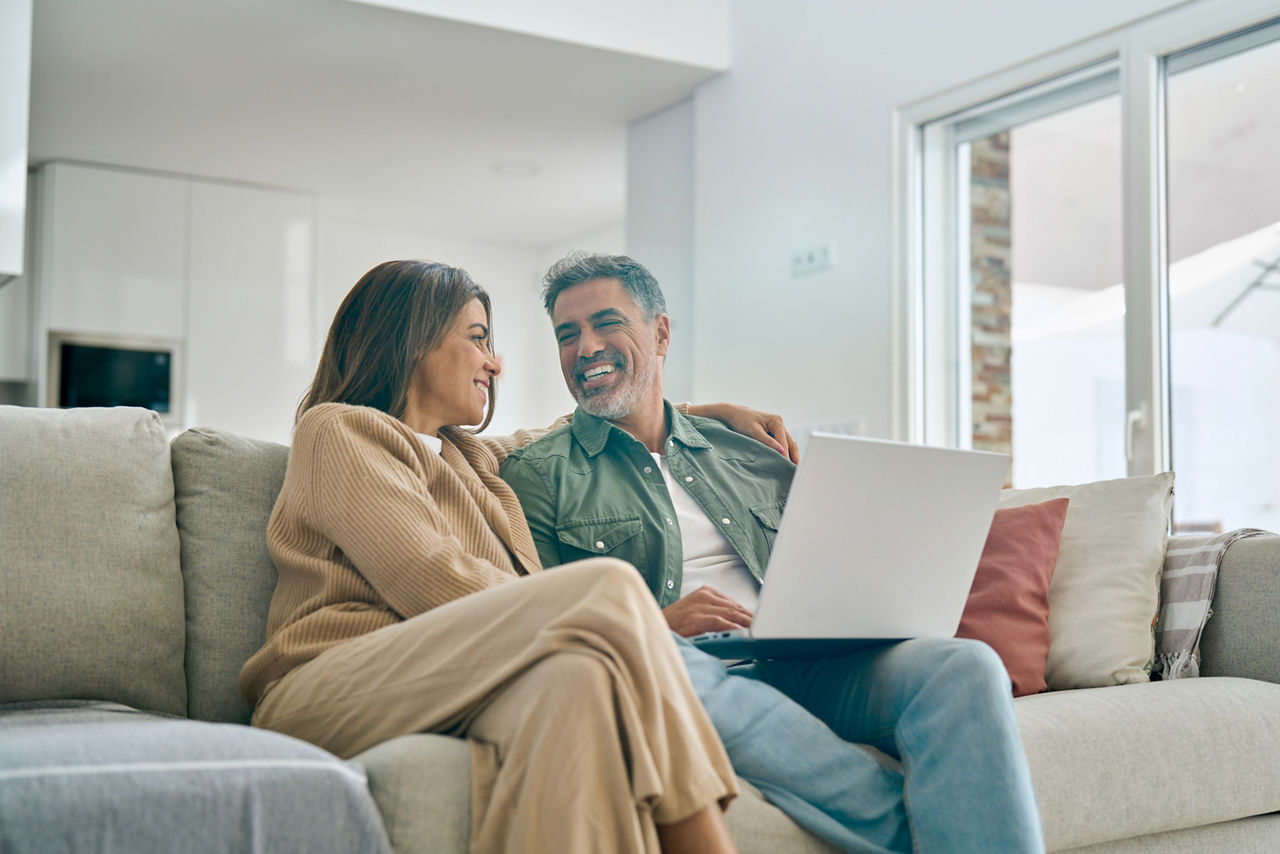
812, 259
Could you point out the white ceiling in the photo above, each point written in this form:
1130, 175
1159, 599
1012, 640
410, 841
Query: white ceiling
387, 115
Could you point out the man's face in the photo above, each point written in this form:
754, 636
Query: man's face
610, 354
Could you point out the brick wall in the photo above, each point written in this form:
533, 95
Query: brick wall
991, 295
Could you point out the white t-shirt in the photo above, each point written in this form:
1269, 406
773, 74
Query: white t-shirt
709, 557
433, 442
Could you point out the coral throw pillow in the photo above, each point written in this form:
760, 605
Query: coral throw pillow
1008, 605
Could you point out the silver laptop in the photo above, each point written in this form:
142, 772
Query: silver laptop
879, 542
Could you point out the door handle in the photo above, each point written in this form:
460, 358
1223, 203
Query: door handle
1135, 420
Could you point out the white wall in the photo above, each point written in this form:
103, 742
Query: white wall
609, 239
793, 147
660, 234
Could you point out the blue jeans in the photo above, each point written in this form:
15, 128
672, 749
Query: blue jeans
943, 708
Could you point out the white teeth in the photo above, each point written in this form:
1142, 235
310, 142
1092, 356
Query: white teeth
597, 371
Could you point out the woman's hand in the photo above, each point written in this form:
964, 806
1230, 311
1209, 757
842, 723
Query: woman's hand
761, 426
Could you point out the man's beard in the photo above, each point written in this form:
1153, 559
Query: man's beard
616, 402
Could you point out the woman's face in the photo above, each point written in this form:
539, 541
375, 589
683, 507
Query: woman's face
451, 383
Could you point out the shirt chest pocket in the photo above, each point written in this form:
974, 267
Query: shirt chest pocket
607, 536
769, 517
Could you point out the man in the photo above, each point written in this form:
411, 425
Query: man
695, 508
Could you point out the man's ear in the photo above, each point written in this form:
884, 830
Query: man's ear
662, 325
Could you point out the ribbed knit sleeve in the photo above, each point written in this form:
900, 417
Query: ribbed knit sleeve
372, 527
371, 496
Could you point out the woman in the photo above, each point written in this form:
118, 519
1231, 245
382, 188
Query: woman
410, 599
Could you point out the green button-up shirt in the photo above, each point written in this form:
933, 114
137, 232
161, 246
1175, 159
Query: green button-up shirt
590, 489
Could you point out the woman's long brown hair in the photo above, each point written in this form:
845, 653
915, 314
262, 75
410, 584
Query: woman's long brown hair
394, 316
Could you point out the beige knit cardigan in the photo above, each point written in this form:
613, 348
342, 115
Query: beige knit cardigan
363, 490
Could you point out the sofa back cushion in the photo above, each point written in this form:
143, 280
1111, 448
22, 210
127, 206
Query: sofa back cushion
1240, 637
91, 602
1008, 605
1106, 582
226, 486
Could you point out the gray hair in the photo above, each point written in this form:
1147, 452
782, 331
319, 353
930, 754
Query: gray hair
578, 267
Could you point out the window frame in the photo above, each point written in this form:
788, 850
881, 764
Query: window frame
930, 368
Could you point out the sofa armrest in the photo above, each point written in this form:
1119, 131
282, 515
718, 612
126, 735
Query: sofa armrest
1240, 638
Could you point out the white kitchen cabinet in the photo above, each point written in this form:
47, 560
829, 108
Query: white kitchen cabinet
15, 336
17, 311
112, 246
250, 346
15, 79
222, 271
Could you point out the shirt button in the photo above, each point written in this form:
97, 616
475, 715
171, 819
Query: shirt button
648, 469
688, 480
669, 522
724, 521
671, 585
600, 545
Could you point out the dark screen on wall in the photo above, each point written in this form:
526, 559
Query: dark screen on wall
113, 376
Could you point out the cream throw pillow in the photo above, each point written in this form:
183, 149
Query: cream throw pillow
1105, 590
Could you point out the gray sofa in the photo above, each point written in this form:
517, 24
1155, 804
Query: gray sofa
136, 581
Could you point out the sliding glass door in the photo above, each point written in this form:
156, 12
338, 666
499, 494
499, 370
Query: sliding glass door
1223, 125
1038, 313
1095, 264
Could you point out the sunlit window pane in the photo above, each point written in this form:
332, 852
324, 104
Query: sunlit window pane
1224, 289
1047, 302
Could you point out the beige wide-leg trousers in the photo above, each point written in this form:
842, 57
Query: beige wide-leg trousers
585, 727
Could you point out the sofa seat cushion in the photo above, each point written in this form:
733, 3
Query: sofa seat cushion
103, 777
759, 827
422, 784
1128, 760
1254, 835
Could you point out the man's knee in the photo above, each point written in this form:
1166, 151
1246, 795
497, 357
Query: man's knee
972, 653
976, 663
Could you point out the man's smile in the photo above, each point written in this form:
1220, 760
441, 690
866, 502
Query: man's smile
596, 376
